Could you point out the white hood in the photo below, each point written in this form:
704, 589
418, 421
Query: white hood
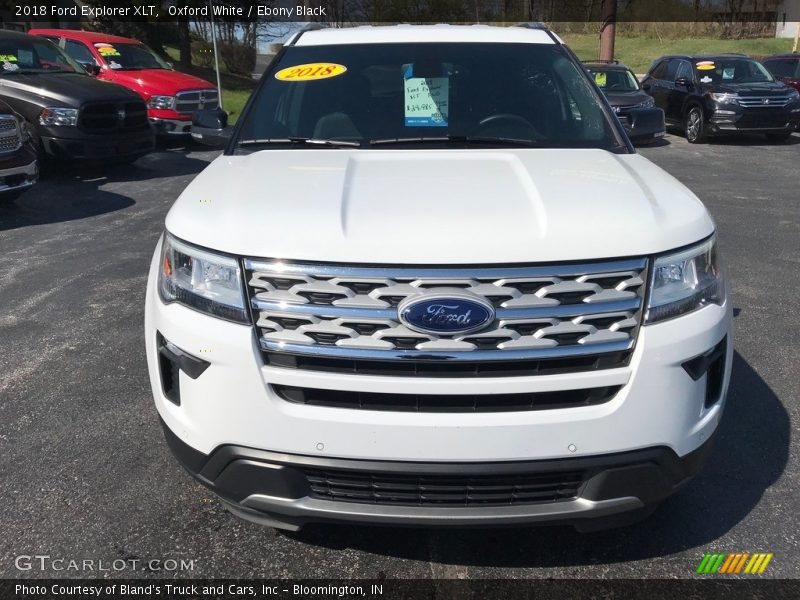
437, 206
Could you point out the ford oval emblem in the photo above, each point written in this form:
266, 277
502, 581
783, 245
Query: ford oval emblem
445, 314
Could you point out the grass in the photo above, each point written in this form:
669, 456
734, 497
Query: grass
639, 52
235, 88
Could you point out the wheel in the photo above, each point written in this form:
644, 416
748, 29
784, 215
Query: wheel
695, 126
779, 138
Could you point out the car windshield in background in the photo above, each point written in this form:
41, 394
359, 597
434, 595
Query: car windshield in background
473, 95
35, 55
724, 70
130, 56
614, 80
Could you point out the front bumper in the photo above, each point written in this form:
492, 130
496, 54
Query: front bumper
275, 489
73, 144
171, 127
728, 118
232, 403
642, 126
19, 171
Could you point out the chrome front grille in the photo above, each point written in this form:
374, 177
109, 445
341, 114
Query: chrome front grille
189, 102
9, 134
542, 312
764, 101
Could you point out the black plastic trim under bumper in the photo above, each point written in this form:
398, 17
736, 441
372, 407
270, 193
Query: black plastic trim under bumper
271, 487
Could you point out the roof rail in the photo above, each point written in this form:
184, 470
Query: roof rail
307, 27
602, 61
541, 27
532, 25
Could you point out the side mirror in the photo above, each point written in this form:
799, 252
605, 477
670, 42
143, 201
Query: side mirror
210, 127
645, 124
92, 68
683, 82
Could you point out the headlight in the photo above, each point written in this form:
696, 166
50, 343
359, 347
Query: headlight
161, 102
649, 103
685, 281
59, 116
202, 280
725, 98
793, 94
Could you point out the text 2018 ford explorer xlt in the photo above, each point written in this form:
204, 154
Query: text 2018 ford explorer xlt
430, 282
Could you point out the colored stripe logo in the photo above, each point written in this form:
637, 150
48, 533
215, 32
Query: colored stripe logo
740, 562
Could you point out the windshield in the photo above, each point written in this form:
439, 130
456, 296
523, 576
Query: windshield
614, 80
731, 70
130, 56
34, 55
528, 94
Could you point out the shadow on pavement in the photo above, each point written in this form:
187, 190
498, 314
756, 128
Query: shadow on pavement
50, 204
69, 192
703, 511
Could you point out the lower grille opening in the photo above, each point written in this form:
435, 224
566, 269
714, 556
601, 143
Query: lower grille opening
434, 368
458, 403
714, 376
443, 490
170, 378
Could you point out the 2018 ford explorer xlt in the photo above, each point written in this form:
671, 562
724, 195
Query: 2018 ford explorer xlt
430, 282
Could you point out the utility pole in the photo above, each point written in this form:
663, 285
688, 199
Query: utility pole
216, 55
608, 14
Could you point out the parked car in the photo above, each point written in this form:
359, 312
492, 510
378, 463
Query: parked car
463, 299
722, 93
18, 167
171, 96
71, 115
785, 68
621, 89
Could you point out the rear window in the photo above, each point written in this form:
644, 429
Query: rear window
364, 92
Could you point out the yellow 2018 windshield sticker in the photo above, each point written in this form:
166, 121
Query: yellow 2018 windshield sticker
8, 58
600, 79
310, 72
706, 65
106, 50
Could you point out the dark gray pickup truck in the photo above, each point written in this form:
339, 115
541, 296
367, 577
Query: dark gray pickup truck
72, 115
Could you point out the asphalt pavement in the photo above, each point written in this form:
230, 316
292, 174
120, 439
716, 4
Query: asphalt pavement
85, 473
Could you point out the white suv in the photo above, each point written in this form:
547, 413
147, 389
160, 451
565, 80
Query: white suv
430, 282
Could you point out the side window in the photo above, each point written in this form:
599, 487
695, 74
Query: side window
780, 67
79, 52
672, 70
684, 70
660, 71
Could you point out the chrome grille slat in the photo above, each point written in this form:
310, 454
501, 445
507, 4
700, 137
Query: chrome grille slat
758, 101
9, 134
563, 310
190, 101
468, 355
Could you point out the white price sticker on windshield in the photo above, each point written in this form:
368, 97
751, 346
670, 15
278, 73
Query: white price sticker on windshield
426, 100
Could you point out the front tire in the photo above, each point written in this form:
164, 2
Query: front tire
695, 126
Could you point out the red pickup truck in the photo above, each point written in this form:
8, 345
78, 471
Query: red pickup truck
171, 96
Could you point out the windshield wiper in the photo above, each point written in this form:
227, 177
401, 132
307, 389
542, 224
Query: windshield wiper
457, 139
299, 141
